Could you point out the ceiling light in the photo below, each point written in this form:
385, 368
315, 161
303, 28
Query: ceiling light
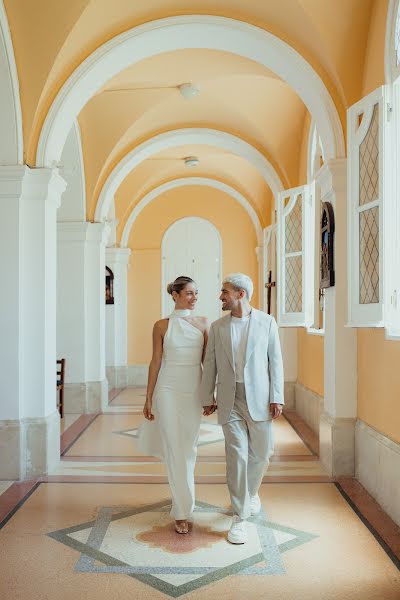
188, 90
191, 161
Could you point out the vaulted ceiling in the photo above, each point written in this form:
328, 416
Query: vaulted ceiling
236, 95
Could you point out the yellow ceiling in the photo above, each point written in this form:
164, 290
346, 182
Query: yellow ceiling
236, 95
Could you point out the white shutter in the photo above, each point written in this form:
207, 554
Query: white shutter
391, 212
295, 243
366, 123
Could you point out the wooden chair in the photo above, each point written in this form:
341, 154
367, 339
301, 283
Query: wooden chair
60, 385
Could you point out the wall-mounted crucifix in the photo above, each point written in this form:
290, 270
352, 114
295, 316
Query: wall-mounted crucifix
269, 285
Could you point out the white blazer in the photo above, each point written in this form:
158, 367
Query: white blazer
263, 371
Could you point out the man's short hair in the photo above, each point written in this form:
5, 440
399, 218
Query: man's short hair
240, 281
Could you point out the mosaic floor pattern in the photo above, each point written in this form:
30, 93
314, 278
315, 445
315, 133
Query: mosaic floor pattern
142, 543
108, 541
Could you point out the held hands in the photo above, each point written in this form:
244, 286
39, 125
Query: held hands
275, 410
208, 410
147, 411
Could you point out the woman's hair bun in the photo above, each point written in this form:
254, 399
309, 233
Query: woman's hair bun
179, 284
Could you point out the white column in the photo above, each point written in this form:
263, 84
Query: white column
117, 259
29, 420
81, 314
340, 350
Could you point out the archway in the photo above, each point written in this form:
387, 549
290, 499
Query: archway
188, 181
179, 137
195, 31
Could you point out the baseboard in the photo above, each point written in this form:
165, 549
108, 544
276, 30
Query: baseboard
137, 375
85, 398
378, 467
309, 406
29, 447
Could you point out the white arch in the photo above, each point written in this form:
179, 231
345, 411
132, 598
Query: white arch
392, 71
180, 137
11, 139
176, 33
191, 181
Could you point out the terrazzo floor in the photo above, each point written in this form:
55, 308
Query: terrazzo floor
99, 525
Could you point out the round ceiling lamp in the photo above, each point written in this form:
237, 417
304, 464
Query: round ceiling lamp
188, 90
191, 161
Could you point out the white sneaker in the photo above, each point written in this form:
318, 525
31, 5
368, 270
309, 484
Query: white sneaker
255, 504
238, 531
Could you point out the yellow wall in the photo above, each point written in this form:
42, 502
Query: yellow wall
374, 69
144, 279
310, 363
379, 382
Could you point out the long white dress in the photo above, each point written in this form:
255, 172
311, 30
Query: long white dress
176, 406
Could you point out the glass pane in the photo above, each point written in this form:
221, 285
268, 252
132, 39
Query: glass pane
293, 283
369, 256
293, 230
369, 162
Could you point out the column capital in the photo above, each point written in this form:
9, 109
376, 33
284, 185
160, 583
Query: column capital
31, 184
82, 231
332, 177
118, 256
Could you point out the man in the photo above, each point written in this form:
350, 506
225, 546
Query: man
243, 353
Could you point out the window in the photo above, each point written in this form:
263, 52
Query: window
366, 138
295, 297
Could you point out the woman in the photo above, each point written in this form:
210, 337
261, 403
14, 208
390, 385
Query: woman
172, 409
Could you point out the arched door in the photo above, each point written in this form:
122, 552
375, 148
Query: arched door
192, 247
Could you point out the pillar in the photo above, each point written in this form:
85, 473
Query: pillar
29, 420
81, 314
117, 259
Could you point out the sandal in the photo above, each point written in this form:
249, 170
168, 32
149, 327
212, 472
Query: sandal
182, 526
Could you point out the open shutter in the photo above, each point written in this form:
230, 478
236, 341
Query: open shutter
366, 122
295, 255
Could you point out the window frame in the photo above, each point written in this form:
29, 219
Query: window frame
362, 314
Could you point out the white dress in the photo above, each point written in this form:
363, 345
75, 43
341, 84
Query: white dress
176, 406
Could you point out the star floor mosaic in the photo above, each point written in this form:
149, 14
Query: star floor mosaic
141, 543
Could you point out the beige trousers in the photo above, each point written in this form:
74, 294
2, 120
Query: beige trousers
248, 447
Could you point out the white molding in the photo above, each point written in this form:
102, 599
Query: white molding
82, 232
11, 139
392, 71
176, 138
189, 181
378, 467
180, 32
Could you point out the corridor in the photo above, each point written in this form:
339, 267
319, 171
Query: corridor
99, 525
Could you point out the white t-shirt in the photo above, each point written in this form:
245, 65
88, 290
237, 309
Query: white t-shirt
240, 333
